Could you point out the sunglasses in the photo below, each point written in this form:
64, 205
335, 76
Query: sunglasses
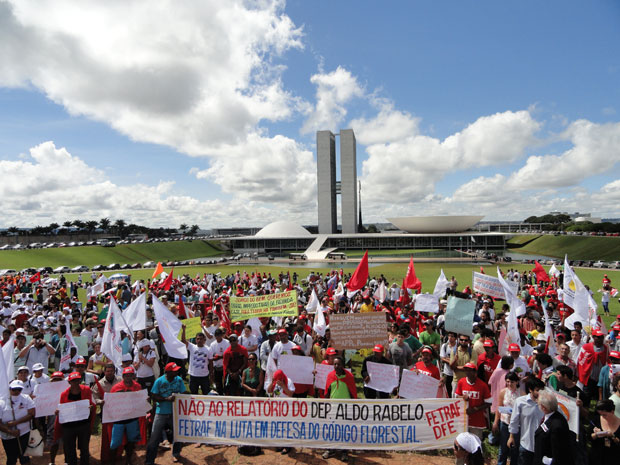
464, 340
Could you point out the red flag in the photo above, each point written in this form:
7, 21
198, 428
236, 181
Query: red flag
411, 280
360, 277
289, 286
405, 300
182, 312
165, 285
539, 271
482, 270
35, 277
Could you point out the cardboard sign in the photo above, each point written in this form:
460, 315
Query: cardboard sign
320, 378
47, 397
298, 368
121, 406
358, 330
383, 377
426, 303
417, 385
460, 316
74, 411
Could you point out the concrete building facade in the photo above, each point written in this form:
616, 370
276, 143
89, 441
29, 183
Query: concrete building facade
328, 187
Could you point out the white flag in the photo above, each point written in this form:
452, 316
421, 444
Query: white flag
553, 271
441, 285
517, 308
548, 332
98, 287
135, 313
111, 339
313, 303
319, 325
5, 378
7, 355
575, 293
381, 292
169, 327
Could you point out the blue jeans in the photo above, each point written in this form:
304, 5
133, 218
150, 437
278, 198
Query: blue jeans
504, 451
525, 456
160, 422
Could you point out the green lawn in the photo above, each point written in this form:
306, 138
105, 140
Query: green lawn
97, 255
577, 247
522, 239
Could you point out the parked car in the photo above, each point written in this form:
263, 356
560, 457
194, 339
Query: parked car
99, 268
79, 269
7, 272
45, 269
62, 269
113, 266
598, 264
28, 271
588, 263
125, 266
136, 265
149, 264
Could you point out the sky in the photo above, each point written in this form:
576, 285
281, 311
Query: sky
205, 112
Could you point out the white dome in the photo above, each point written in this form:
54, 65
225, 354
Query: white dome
283, 229
435, 224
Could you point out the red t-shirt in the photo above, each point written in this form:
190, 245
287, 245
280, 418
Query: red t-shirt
478, 394
430, 369
489, 364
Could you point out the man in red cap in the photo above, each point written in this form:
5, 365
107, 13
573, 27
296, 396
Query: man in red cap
426, 365
591, 359
163, 391
235, 361
487, 362
521, 367
376, 357
126, 431
478, 396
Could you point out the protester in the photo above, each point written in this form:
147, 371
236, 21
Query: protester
524, 420
591, 359
15, 415
448, 349
477, 394
163, 391
505, 405
126, 431
235, 361
101, 387
468, 449
144, 361
605, 436
252, 379
376, 357
340, 384
552, 439
200, 363
400, 353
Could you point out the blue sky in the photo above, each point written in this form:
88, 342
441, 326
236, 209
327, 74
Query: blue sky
206, 113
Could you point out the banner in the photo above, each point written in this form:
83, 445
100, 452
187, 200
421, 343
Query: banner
567, 406
417, 385
193, 326
426, 303
486, 284
298, 368
390, 424
358, 330
281, 304
121, 406
383, 377
47, 397
460, 315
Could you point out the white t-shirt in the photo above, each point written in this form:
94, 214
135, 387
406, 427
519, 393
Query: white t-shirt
144, 371
199, 359
217, 349
34, 381
281, 349
21, 404
277, 392
250, 341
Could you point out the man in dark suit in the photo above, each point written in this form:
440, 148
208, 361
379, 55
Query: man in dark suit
552, 440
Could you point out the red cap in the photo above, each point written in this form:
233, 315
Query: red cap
330, 351
616, 327
57, 374
297, 348
282, 331
74, 375
171, 366
303, 317
128, 371
427, 350
514, 348
597, 332
488, 344
80, 361
470, 365
378, 348
614, 354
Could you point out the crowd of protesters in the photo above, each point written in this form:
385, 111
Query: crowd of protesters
510, 389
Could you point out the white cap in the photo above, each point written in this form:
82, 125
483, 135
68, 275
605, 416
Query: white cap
127, 358
37, 367
24, 367
15, 384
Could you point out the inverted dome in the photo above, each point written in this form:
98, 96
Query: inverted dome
283, 229
435, 224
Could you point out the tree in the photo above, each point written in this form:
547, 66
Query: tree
104, 223
193, 230
79, 224
120, 225
183, 227
67, 224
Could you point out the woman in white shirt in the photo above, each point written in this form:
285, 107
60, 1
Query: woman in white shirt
143, 363
15, 415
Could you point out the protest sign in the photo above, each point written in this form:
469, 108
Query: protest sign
193, 326
320, 378
384, 424
73, 411
383, 377
298, 368
121, 406
460, 315
417, 385
358, 330
82, 345
47, 397
489, 285
567, 406
426, 303
281, 304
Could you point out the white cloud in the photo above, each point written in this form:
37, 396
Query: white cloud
389, 125
53, 185
333, 91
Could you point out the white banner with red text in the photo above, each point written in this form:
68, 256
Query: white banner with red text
390, 424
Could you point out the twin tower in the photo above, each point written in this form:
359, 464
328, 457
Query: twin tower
328, 187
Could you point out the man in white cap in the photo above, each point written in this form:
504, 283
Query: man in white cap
23, 375
15, 415
38, 376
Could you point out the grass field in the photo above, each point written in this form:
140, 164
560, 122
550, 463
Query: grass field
522, 239
97, 255
426, 272
577, 247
